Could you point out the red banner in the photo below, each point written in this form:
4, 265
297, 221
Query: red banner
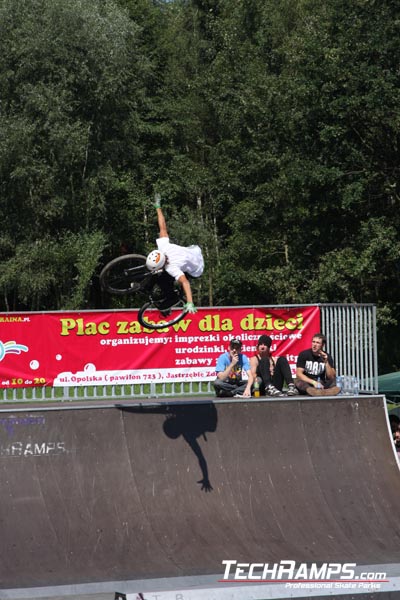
111, 347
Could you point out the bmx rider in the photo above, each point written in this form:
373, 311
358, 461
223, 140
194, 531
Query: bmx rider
176, 260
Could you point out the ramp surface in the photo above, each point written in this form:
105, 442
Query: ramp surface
148, 491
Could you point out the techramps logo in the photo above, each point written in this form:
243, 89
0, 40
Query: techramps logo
285, 579
303, 575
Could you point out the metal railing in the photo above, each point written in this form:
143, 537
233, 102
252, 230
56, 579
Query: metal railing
351, 339
106, 392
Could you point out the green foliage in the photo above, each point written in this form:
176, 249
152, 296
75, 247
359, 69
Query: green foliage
71, 82
52, 270
270, 129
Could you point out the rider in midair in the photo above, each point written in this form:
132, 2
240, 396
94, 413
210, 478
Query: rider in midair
176, 260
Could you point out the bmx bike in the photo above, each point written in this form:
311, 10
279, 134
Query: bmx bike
128, 274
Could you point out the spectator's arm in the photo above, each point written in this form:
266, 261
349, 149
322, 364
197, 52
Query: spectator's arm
303, 377
247, 391
253, 366
330, 371
225, 373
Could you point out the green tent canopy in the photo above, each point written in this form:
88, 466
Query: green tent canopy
389, 385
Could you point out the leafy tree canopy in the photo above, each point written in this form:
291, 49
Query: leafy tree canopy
270, 129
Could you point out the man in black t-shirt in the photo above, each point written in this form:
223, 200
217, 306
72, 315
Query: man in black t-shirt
315, 370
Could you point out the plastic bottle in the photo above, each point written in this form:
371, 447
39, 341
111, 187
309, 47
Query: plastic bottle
356, 386
339, 383
256, 388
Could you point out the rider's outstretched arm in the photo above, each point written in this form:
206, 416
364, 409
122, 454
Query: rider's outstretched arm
162, 224
183, 280
160, 217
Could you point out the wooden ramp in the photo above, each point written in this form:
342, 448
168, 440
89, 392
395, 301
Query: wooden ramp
135, 492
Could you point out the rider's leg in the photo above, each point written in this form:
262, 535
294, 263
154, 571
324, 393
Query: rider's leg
168, 294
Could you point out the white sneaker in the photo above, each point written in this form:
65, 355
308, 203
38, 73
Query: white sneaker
292, 390
273, 391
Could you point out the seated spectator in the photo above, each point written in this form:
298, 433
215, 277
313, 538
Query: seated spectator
271, 372
315, 370
229, 368
396, 440
394, 423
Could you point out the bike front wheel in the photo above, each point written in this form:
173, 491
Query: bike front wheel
124, 274
152, 317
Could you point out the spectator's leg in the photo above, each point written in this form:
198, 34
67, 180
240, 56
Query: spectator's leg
263, 371
223, 389
282, 373
239, 389
302, 385
330, 387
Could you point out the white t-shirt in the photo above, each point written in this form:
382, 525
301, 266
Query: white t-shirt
181, 259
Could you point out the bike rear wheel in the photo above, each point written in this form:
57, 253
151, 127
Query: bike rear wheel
124, 274
152, 317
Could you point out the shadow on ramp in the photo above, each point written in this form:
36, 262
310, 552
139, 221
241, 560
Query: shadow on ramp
191, 421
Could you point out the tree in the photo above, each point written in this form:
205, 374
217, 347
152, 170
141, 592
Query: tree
270, 129
71, 88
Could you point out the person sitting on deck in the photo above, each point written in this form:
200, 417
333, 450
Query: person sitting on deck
315, 370
272, 372
229, 368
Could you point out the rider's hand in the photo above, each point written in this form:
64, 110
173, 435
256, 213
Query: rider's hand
190, 307
157, 201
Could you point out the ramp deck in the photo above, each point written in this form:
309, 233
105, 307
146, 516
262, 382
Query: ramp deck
171, 489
